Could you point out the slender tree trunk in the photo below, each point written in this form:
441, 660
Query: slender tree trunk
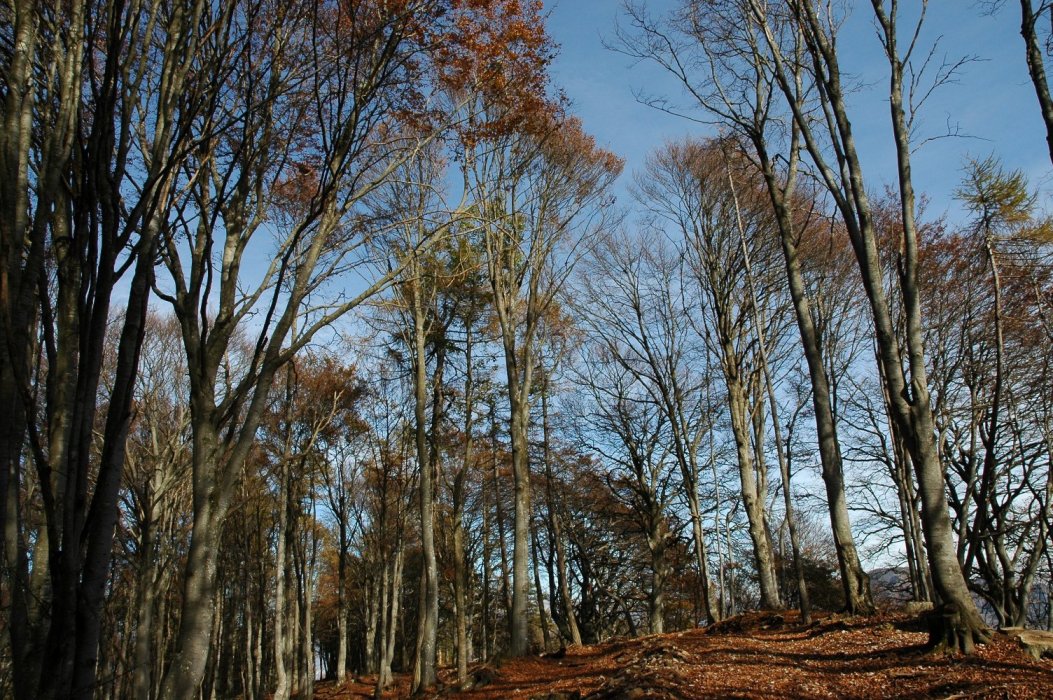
1036, 67
376, 607
424, 672
982, 526
656, 595
723, 604
341, 605
487, 631
146, 604
282, 642
752, 498
964, 625
557, 525
460, 574
383, 678
391, 623
712, 610
499, 515
539, 594
781, 448
854, 581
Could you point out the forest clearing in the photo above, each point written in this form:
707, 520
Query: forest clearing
530, 346
758, 655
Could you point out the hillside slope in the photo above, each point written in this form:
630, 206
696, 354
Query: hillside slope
758, 656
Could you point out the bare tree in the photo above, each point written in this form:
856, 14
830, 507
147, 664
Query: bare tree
96, 112
629, 432
734, 88
632, 298
821, 113
537, 197
1035, 18
254, 178
685, 185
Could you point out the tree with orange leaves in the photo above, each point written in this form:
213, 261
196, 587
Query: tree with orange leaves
317, 104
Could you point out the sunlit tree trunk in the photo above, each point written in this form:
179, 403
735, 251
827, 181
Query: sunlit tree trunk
904, 365
1036, 65
556, 521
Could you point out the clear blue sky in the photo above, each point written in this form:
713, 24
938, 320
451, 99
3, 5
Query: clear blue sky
992, 102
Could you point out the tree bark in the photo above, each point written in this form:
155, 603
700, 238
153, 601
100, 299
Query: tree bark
424, 669
1036, 67
854, 581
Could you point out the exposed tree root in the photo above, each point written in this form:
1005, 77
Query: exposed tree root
952, 632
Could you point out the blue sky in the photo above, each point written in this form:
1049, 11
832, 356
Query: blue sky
992, 102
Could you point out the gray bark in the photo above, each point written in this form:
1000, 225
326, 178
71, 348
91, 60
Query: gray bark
907, 390
1036, 64
424, 669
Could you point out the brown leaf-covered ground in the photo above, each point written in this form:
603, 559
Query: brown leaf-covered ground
760, 655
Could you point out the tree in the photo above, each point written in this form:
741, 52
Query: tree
96, 114
344, 453
427, 314
902, 364
638, 473
538, 196
1033, 17
987, 401
631, 301
686, 185
735, 90
253, 177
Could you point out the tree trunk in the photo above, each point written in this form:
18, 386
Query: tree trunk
963, 624
539, 594
192, 641
147, 584
781, 448
854, 581
390, 625
556, 522
282, 641
1036, 67
424, 672
460, 563
499, 515
752, 499
341, 605
656, 594
519, 626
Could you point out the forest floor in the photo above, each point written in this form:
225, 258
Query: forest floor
758, 655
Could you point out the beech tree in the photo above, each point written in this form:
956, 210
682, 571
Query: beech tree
902, 362
305, 189
686, 186
96, 113
631, 303
734, 88
539, 196
987, 410
1034, 28
415, 397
